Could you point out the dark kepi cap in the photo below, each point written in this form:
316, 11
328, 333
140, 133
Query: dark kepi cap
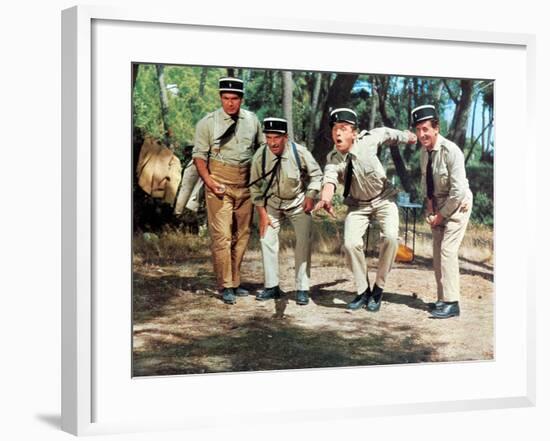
277, 125
343, 115
233, 85
423, 113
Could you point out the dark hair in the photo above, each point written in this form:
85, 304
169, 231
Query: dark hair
435, 123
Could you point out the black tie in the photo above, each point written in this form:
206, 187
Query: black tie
229, 131
430, 177
349, 174
273, 173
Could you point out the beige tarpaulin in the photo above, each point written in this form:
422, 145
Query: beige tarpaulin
190, 192
158, 171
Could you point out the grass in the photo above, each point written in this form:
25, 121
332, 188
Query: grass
172, 246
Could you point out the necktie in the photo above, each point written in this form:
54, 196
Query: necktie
349, 174
229, 131
430, 177
273, 173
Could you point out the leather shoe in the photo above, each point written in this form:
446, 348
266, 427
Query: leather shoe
269, 293
302, 297
437, 305
360, 300
240, 292
450, 309
228, 296
375, 300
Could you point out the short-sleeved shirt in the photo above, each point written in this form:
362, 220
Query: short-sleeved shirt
237, 149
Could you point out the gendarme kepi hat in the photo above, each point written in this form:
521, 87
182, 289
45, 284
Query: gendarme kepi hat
423, 113
277, 125
343, 115
233, 85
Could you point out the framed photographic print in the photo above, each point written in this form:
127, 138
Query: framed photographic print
149, 342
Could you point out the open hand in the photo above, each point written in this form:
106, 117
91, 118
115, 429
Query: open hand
327, 205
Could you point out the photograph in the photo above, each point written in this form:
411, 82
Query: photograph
299, 219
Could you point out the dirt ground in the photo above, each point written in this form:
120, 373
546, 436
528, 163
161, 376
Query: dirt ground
181, 326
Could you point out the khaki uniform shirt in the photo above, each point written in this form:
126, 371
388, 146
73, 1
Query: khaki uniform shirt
451, 186
236, 150
288, 188
369, 177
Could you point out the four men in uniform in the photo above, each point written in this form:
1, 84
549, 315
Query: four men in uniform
282, 180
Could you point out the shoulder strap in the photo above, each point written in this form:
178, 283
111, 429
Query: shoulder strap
263, 161
296, 155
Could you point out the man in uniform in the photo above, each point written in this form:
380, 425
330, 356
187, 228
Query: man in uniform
225, 141
368, 195
285, 179
449, 205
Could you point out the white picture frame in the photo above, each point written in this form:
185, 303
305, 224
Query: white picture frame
87, 378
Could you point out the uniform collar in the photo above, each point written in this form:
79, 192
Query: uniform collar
285, 153
354, 150
438, 143
227, 117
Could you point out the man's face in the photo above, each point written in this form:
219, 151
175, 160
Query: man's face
276, 142
427, 134
343, 136
231, 103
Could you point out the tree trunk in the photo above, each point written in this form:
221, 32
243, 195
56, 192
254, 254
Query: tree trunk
400, 168
202, 83
230, 72
338, 96
312, 125
163, 105
373, 106
457, 134
135, 70
489, 134
437, 93
288, 87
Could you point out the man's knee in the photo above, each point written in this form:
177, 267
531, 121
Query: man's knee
352, 244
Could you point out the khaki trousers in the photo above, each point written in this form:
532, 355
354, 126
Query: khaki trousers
447, 238
301, 222
229, 220
355, 226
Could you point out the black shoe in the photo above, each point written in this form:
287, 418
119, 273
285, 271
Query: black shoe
360, 300
449, 309
375, 300
269, 293
302, 297
241, 292
228, 296
437, 305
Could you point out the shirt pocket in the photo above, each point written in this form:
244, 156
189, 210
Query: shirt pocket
443, 177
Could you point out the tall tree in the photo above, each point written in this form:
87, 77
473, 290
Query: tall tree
288, 87
163, 96
202, 83
314, 109
338, 96
382, 84
457, 133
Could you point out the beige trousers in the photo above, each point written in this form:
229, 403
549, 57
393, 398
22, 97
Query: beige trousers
355, 226
301, 222
447, 238
229, 220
